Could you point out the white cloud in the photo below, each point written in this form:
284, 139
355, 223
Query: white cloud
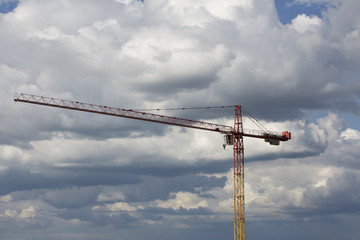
303, 23
6, 198
9, 213
24, 214
120, 206
350, 134
50, 33
184, 200
78, 167
333, 125
29, 212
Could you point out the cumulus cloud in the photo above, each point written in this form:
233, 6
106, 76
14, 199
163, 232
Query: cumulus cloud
182, 200
315, 187
63, 170
303, 23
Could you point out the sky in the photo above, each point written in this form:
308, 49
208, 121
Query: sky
293, 64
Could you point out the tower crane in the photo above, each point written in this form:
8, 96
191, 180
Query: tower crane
233, 135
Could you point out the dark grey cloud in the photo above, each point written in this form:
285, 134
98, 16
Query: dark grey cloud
24, 179
150, 178
340, 194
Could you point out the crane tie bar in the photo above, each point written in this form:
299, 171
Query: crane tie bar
182, 108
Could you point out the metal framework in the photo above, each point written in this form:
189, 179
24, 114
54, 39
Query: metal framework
239, 177
235, 134
119, 112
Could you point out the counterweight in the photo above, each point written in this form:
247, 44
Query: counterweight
233, 136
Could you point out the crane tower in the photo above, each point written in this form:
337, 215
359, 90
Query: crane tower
233, 135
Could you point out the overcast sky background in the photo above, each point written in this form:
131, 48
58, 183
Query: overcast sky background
69, 175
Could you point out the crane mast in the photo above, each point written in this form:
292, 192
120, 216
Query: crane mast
232, 136
239, 177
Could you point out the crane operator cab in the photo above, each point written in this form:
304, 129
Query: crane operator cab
228, 140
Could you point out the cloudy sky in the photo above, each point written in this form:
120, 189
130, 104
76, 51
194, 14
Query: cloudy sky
293, 64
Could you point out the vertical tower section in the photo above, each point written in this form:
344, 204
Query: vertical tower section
239, 177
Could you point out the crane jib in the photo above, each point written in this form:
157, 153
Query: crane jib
119, 112
128, 113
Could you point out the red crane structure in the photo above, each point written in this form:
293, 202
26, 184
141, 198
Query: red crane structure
233, 135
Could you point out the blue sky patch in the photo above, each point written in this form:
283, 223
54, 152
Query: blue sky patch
8, 6
288, 10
